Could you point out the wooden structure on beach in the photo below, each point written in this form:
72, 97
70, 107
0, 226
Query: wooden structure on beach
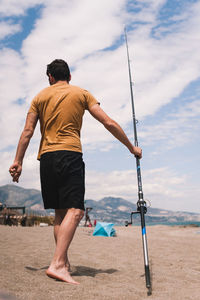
10, 215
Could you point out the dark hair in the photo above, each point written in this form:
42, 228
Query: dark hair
59, 69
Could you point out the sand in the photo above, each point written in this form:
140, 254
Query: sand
106, 267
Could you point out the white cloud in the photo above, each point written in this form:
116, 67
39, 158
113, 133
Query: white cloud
7, 28
16, 7
180, 127
6, 159
163, 67
11, 90
163, 187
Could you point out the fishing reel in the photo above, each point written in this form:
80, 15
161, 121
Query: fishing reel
139, 205
131, 222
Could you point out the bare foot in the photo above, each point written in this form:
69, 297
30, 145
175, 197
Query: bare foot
60, 274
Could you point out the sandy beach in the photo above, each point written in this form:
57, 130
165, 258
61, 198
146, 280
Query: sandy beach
106, 267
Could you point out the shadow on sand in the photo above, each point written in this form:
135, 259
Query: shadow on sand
92, 272
79, 270
36, 269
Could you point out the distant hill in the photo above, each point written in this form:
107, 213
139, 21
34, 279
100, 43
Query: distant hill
118, 210
108, 209
12, 195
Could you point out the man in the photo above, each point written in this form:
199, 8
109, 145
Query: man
60, 108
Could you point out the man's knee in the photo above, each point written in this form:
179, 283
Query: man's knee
78, 214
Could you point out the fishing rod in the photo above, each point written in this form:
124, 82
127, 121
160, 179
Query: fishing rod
141, 204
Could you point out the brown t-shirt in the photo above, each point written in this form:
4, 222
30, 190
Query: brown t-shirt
60, 108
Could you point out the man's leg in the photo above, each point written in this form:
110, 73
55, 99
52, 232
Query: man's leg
64, 235
59, 216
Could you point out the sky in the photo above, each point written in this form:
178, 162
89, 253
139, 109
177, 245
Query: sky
164, 43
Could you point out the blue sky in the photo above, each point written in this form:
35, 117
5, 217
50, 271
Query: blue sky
164, 51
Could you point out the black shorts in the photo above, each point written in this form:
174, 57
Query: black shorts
62, 175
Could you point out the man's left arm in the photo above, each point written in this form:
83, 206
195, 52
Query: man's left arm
16, 168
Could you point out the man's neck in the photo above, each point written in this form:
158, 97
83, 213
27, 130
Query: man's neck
60, 81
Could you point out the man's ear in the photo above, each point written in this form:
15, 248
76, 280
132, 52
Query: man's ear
70, 77
51, 79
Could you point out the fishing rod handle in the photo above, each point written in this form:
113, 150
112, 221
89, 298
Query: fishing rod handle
139, 179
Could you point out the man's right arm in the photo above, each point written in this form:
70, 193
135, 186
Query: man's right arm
114, 128
16, 168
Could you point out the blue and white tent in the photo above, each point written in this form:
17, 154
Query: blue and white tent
104, 229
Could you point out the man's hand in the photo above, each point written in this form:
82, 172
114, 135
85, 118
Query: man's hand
15, 171
137, 152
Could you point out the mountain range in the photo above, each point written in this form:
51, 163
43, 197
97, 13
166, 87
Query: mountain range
108, 209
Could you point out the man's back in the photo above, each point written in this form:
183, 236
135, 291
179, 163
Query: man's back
60, 108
